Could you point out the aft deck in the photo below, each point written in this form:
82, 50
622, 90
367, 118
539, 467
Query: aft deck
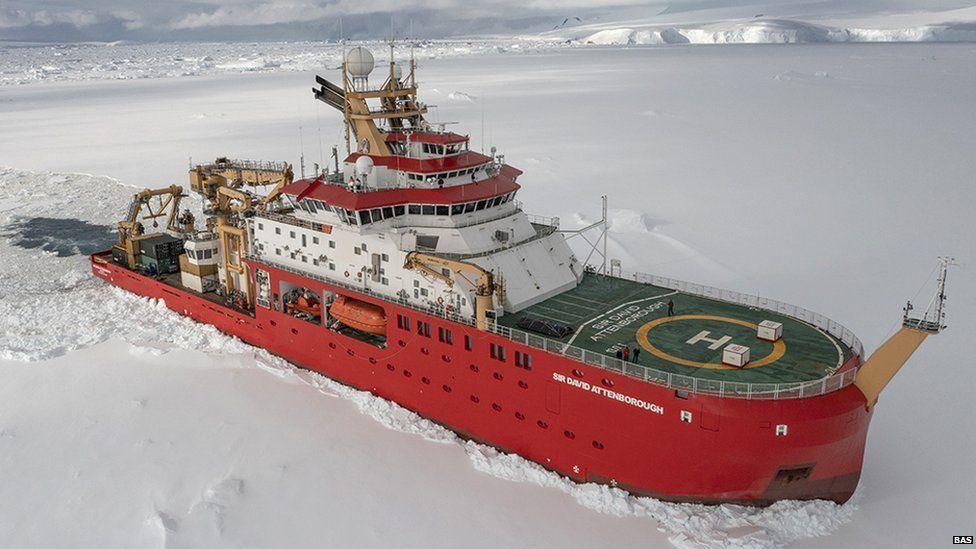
608, 314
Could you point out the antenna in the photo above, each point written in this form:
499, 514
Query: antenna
301, 147
603, 267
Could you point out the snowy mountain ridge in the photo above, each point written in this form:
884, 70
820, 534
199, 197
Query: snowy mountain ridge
776, 24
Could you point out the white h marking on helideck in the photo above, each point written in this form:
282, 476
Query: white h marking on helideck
715, 343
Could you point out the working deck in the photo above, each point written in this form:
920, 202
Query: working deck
608, 314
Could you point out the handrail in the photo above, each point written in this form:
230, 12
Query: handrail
433, 311
750, 300
671, 380
834, 381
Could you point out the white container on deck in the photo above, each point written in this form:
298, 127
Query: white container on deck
735, 355
769, 330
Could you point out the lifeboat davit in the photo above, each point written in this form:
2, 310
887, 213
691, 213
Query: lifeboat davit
359, 315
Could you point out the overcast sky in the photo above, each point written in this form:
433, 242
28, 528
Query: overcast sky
74, 20
252, 20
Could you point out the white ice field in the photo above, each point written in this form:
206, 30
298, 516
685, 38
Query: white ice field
827, 175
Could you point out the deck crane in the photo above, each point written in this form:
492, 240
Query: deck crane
132, 230
222, 184
481, 280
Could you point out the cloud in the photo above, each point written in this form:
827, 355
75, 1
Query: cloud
13, 18
273, 13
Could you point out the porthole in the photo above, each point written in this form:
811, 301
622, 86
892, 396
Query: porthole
445, 358
425, 350
496, 407
519, 416
569, 434
406, 373
390, 367
577, 372
597, 444
523, 384
447, 388
497, 376
607, 382
475, 399
294, 331
542, 424
350, 352
372, 360
274, 323
332, 345
425, 380
402, 343
473, 368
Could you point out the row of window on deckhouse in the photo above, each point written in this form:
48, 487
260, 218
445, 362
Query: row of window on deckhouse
399, 148
364, 217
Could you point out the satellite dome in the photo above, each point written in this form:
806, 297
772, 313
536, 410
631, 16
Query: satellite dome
359, 62
397, 71
364, 165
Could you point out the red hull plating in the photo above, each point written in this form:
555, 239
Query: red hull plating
568, 416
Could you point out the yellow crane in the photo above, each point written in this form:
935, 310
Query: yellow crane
481, 280
223, 173
132, 230
221, 184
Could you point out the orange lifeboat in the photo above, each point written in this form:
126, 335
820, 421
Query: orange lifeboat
359, 315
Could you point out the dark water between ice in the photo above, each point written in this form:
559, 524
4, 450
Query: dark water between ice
64, 237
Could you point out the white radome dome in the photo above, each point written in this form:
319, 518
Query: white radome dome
364, 165
359, 62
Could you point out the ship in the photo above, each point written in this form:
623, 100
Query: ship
409, 269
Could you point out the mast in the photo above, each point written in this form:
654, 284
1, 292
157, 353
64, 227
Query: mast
875, 374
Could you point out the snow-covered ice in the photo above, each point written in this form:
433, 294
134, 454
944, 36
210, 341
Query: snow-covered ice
770, 22
125, 424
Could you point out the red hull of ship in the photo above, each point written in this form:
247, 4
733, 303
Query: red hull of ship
576, 419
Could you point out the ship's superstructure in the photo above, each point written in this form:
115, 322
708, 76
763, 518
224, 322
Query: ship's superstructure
409, 269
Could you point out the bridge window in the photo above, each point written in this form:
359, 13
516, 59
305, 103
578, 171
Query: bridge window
423, 328
523, 360
467, 343
442, 210
445, 336
398, 210
413, 209
427, 209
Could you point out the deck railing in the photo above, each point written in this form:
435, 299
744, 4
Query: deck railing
815, 319
363, 289
690, 384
